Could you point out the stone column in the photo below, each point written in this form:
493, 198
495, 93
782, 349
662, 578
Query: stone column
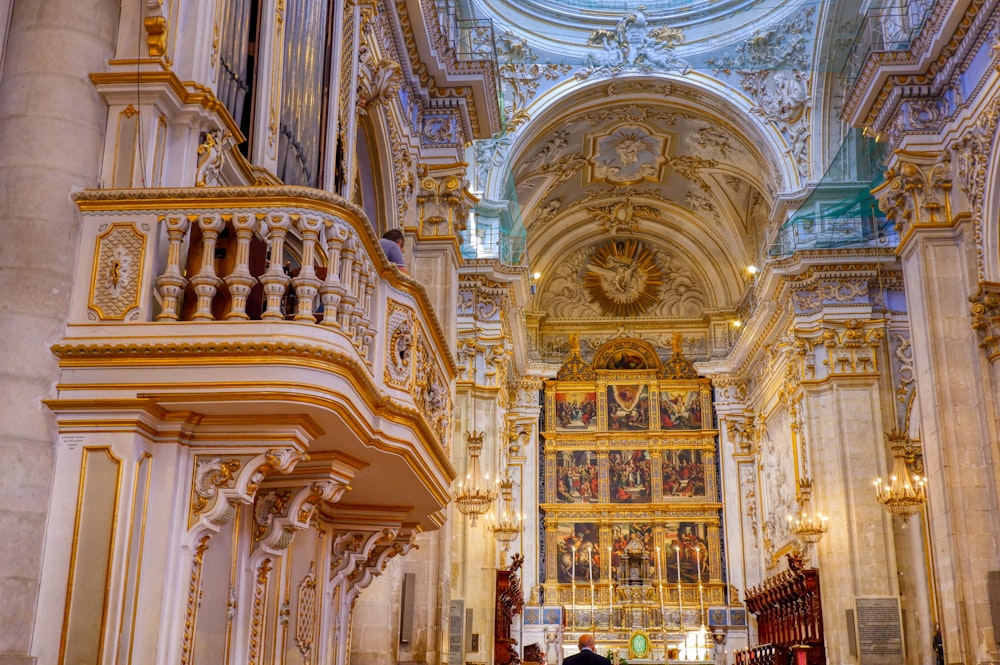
939, 265
52, 129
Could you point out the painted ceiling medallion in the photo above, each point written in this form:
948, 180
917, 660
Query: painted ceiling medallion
623, 278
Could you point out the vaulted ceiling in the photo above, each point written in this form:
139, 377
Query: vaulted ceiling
641, 165
648, 171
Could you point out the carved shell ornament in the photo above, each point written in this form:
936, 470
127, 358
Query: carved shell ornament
623, 278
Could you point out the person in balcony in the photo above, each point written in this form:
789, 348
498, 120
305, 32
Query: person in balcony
392, 245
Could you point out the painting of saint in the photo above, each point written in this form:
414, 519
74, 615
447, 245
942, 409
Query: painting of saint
687, 552
578, 552
630, 476
683, 473
628, 407
576, 411
576, 477
680, 410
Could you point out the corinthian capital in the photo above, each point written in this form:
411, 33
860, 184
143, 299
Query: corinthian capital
986, 319
443, 200
917, 190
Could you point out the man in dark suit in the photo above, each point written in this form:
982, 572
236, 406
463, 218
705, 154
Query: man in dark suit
587, 656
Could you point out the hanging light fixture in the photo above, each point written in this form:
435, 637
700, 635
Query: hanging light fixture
807, 527
902, 495
475, 495
507, 526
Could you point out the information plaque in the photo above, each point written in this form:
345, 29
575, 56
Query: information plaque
880, 631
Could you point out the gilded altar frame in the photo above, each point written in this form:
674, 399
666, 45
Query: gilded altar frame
630, 457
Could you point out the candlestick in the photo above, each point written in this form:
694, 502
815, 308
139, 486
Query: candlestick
680, 596
590, 574
701, 596
611, 605
573, 588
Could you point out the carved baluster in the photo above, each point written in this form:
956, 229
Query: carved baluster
172, 282
366, 327
348, 301
357, 291
240, 281
275, 280
333, 289
206, 283
306, 282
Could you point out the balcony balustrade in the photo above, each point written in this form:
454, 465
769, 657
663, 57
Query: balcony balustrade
264, 291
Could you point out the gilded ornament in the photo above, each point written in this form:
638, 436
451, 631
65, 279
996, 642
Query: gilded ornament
623, 278
117, 272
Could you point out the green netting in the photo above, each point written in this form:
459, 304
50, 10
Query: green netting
496, 229
840, 211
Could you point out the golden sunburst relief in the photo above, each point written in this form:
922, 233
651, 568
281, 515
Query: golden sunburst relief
623, 278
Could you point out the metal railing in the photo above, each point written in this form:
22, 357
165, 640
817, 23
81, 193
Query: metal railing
887, 28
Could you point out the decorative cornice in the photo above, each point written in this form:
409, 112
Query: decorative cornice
487, 69
923, 76
81, 354
188, 93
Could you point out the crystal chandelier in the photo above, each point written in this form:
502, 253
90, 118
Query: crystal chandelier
807, 527
474, 496
903, 495
507, 525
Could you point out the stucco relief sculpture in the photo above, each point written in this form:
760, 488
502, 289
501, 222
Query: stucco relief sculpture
521, 74
622, 278
634, 45
627, 154
586, 282
774, 69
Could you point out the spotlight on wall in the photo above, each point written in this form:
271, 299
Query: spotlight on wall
752, 269
737, 323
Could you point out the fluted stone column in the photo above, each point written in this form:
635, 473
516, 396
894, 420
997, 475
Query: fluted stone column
52, 132
955, 396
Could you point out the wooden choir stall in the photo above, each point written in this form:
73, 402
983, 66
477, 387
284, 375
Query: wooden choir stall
789, 619
510, 602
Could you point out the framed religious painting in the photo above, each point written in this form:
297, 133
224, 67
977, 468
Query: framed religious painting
683, 474
630, 476
628, 538
686, 551
578, 552
628, 407
575, 411
577, 476
680, 409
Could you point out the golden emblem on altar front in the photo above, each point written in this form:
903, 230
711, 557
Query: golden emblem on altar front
623, 278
